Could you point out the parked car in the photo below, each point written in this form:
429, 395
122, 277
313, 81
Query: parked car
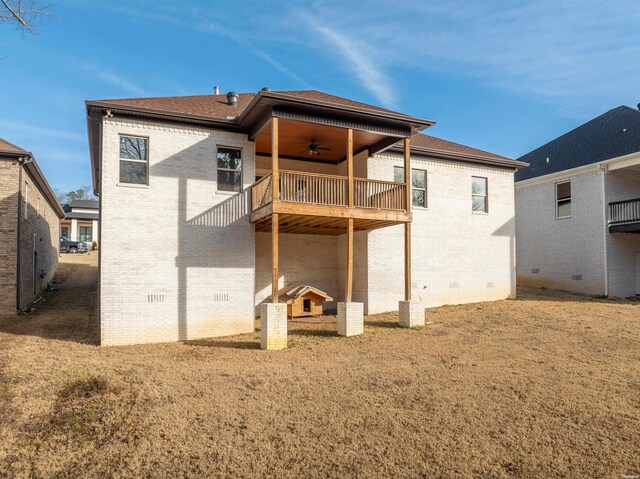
68, 246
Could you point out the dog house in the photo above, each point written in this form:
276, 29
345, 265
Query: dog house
303, 300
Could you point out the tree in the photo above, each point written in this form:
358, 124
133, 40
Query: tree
82, 193
24, 14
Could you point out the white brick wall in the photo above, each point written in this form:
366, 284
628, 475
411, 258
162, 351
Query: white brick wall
457, 256
561, 249
306, 259
622, 247
180, 261
177, 259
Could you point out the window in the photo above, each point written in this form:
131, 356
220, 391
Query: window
563, 200
479, 195
64, 231
134, 160
229, 169
418, 185
86, 234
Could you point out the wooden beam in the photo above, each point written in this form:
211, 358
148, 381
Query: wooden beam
275, 174
407, 226
350, 167
347, 296
340, 212
274, 258
407, 171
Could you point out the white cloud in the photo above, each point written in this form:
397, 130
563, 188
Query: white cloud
576, 54
111, 78
358, 60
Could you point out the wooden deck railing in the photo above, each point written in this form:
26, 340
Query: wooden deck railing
330, 190
261, 193
624, 212
384, 195
313, 188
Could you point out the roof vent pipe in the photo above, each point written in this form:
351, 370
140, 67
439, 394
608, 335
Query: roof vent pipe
265, 88
216, 90
232, 98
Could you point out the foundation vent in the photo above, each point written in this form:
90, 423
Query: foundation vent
535, 270
221, 298
490, 285
576, 277
453, 285
155, 298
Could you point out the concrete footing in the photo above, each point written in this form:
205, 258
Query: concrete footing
273, 326
412, 314
350, 319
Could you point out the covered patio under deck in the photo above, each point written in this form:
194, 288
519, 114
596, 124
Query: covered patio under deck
310, 202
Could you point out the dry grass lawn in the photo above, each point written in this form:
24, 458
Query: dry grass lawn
545, 386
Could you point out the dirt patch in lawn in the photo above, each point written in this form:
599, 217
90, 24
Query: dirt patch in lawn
544, 386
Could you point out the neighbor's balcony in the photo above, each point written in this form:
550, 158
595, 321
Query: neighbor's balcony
375, 203
624, 216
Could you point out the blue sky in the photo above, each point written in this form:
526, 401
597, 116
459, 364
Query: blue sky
504, 75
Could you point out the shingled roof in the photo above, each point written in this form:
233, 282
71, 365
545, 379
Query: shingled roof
11, 149
215, 107
611, 135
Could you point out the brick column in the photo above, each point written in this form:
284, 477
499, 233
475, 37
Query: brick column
350, 319
273, 326
412, 314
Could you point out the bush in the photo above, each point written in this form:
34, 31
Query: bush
94, 246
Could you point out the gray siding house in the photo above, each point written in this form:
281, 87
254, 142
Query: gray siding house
578, 209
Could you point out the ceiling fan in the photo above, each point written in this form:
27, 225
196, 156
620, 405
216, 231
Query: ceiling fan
314, 149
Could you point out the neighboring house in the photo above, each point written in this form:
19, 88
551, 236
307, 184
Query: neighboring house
29, 229
193, 180
578, 207
80, 221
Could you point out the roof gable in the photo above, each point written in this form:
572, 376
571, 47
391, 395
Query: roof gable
611, 135
10, 148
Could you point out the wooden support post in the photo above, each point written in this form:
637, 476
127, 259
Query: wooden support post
275, 173
349, 286
275, 187
274, 257
407, 226
350, 165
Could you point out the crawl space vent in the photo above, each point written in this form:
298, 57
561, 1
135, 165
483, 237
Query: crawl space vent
155, 298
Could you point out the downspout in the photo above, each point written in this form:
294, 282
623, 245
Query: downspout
603, 170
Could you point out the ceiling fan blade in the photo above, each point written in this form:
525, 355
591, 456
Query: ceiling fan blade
320, 148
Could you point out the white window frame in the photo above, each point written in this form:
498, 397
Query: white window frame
570, 199
120, 160
229, 192
426, 180
485, 196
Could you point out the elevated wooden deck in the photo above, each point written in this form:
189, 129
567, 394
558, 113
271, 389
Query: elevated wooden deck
311, 203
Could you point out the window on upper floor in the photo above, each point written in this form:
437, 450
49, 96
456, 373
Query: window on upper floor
134, 160
418, 185
229, 169
479, 195
563, 200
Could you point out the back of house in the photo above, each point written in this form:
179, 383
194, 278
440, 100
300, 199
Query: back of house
578, 209
29, 229
211, 204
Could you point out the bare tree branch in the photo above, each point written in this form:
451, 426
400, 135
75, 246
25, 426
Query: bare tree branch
23, 13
